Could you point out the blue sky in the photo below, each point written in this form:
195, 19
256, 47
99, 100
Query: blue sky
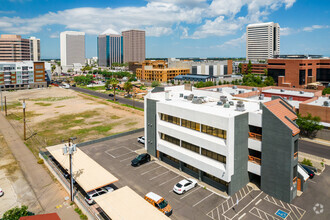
174, 28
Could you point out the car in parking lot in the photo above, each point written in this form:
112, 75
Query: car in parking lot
184, 186
1, 192
111, 95
97, 192
310, 172
159, 202
141, 139
140, 159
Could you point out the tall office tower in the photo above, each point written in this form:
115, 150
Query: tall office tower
262, 41
134, 45
72, 48
109, 49
34, 49
13, 48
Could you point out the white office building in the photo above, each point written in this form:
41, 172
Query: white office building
262, 41
72, 49
34, 49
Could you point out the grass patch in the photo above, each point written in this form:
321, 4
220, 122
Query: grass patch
60, 106
129, 124
125, 105
13, 105
19, 115
95, 88
95, 122
53, 99
114, 117
10, 168
43, 104
81, 215
307, 162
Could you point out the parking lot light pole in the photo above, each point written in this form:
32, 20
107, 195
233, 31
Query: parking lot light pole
70, 150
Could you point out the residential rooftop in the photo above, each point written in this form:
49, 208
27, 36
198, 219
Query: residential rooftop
320, 101
289, 92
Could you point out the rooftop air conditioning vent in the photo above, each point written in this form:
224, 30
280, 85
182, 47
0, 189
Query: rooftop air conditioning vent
261, 97
197, 101
282, 90
226, 105
190, 97
223, 99
240, 106
301, 92
185, 97
254, 89
195, 97
240, 91
231, 103
219, 89
234, 87
181, 95
326, 103
220, 103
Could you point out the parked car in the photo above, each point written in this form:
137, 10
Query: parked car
184, 186
159, 202
309, 171
140, 159
128, 96
111, 95
141, 139
1, 192
97, 192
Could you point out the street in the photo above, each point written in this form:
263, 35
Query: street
314, 149
106, 96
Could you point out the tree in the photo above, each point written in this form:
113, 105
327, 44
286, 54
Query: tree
309, 125
249, 67
155, 83
114, 82
266, 72
220, 83
326, 91
240, 67
16, 213
53, 68
128, 87
172, 82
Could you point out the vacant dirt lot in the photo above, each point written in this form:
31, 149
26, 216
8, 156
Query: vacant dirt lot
55, 114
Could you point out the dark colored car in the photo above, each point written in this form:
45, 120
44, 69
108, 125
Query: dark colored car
140, 159
309, 171
111, 95
73, 85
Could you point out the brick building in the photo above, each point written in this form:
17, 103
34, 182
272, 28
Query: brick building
257, 68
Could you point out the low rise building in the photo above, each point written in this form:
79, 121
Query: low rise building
317, 106
23, 75
223, 140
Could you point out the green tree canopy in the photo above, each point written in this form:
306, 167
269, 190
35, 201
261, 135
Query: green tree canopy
155, 84
84, 80
16, 213
309, 125
240, 67
326, 91
128, 87
249, 68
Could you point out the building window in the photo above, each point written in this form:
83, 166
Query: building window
295, 171
191, 167
190, 146
170, 119
302, 76
170, 139
214, 156
171, 158
215, 179
214, 131
191, 125
310, 72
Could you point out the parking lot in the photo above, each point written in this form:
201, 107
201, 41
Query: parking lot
202, 202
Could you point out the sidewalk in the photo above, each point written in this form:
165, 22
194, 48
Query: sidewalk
49, 193
317, 141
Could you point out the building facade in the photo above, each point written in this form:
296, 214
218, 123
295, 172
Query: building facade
13, 48
34, 49
223, 141
109, 49
262, 41
256, 68
23, 75
72, 48
133, 46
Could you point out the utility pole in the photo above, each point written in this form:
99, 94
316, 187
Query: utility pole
70, 150
6, 106
24, 121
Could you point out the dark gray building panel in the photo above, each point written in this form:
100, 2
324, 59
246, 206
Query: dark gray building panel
151, 127
240, 177
277, 161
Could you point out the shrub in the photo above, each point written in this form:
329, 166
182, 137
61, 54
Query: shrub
307, 162
40, 161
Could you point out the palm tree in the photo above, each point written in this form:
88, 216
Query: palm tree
114, 82
128, 87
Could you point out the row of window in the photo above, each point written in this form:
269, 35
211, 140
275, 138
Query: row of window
194, 148
215, 179
195, 126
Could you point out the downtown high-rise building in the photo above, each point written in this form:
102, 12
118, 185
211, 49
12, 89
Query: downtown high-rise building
72, 48
262, 41
134, 46
109, 49
13, 48
34, 49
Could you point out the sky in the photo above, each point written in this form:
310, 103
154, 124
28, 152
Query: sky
174, 28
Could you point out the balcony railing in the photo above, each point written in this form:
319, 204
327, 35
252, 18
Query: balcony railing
295, 180
295, 155
255, 160
255, 136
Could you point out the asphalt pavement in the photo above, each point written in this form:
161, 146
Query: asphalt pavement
314, 149
106, 96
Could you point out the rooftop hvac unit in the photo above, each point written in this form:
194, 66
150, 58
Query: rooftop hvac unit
167, 95
220, 103
223, 99
190, 97
301, 92
240, 91
261, 97
231, 103
326, 103
185, 97
219, 89
254, 89
282, 90
234, 87
240, 106
197, 101
226, 105
181, 95
232, 93
290, 98
195, 97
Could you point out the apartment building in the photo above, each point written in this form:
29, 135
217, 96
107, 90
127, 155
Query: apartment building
224, 141
24, 75
134, 46
109, 49
34, 49
13, 48
262, 41
72, 49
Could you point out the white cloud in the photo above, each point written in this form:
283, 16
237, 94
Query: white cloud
284, 31
54, 35
110, 31
314, 27
237, 42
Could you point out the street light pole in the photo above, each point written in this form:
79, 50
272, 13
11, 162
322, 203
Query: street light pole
70, 150
24, 121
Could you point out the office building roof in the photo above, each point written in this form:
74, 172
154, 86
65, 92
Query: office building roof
320, 101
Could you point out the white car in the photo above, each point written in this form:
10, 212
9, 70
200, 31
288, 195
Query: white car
184, 186
97, 192
141, 139
1, 192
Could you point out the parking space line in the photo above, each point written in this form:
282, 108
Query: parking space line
203, 199
218, 213
168, 180
109, 154
152, 162
125, 154
244, 191
190, 192
312, 181
129, 158
150, 170
241, 193
246, 205
159, 175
